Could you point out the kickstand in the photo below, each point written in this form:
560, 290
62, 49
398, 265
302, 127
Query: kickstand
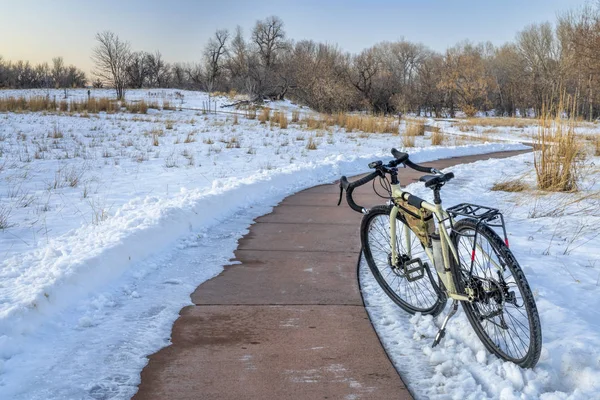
442, 332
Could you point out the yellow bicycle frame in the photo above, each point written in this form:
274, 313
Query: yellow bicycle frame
447, 246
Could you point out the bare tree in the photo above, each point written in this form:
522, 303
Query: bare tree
159, 73
269, 37
214, 53
112, 56
137, 69
237, 62
362, 72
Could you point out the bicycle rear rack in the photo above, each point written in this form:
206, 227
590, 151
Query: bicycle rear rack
491, 217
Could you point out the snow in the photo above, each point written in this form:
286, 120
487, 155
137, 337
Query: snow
108, 234
556, 242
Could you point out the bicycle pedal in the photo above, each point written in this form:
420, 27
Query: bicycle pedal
414, 273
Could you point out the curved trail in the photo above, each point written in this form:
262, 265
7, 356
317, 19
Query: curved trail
286, 320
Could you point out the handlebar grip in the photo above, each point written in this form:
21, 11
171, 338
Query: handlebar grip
419, 168
365, 179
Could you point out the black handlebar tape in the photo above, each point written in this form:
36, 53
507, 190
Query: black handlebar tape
419, 168
351, 202
414, 201
353, 185
365, 179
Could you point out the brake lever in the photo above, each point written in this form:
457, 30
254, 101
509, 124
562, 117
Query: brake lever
341, 193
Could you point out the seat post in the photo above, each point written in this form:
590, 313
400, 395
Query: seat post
436, 195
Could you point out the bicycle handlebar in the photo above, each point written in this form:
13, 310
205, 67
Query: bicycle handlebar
350, 186
400, 158
404, 160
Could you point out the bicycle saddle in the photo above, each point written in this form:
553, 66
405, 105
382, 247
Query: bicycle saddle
435, 180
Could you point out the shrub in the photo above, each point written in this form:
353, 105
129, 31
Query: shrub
470, 110
558, 155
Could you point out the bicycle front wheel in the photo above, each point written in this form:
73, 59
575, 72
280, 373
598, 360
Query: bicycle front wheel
415, 295
503, 314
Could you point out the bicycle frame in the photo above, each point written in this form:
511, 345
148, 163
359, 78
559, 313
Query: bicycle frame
447, 247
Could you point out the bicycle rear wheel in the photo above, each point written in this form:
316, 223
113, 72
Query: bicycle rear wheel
421, 295
504, 314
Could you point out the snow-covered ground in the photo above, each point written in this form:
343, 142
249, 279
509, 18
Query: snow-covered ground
110, 221
555, 238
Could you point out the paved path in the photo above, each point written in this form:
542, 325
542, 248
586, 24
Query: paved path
288, 322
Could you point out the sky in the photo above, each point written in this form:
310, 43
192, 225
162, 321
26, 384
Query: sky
38, 30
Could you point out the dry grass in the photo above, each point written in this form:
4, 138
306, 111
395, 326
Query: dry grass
283, 121
559, 154
509, 186
189, 138
595, 142
37, 103
167, 105
274, 119
56, 133
364, 123
233, 143
497, 122
415, 127
251, 113
437, 137
264, 115
408, 141
313, 123
311, 144
295, 116
138, 107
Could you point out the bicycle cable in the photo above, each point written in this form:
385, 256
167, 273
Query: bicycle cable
385, 184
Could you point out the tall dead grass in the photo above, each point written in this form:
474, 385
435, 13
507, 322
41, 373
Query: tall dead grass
354, 122
45, 103
437, 137
468, 124
35, 103
415, 127
558, 156
264, 115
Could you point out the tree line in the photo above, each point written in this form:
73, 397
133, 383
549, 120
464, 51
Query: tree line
544, 62
24, 75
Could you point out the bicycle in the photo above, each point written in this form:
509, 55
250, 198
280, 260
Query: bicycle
473, 264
